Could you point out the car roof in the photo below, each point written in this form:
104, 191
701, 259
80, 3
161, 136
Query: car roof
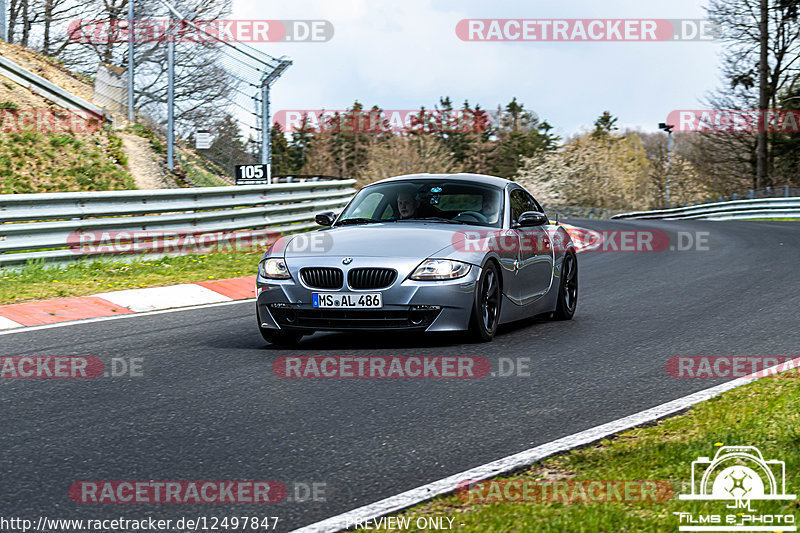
480, 178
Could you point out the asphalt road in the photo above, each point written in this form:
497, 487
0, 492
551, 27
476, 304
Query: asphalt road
209, 407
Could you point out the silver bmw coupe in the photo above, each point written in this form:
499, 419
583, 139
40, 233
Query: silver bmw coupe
422, 252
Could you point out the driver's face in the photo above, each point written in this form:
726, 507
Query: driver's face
406, 205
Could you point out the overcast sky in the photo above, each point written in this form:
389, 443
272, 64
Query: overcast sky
405, 54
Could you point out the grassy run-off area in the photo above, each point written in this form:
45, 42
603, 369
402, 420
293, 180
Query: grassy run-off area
39, 281
765, 414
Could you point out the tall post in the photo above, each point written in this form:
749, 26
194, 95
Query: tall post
3, 21
266, 140
763, 97
131, 116
669, 161
171, 100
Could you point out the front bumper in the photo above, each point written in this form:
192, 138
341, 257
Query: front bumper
407, 305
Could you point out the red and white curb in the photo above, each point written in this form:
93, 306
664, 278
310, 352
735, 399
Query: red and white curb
584, 239
125, 302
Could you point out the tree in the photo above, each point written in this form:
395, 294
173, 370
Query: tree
228, 149
610, 171
407, 154
519, 134
342, 145
760, 63
685, 183
280, 155
605, 124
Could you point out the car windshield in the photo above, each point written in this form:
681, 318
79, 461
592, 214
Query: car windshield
448, 202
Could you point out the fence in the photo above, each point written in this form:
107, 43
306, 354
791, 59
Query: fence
787, 208
48, 226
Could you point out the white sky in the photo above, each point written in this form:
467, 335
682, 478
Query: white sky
405, 54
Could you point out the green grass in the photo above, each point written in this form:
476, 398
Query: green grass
765, 414
39, 281
774, 219
33, 162
201, 176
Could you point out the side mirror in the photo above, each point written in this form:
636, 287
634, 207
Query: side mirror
325, 219
532, 218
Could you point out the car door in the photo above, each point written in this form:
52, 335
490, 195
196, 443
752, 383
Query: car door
535, 256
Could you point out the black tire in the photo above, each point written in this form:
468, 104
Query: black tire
486, 305
568, 289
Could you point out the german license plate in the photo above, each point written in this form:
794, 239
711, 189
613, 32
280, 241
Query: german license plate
346, 300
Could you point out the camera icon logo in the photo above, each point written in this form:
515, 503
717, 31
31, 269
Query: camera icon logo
738, 473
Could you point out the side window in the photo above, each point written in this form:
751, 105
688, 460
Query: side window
519, 204
367, 207
388, 212
533, 205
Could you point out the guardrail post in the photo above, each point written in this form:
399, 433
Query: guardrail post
769, 192
787, 191
735, 196
752, 194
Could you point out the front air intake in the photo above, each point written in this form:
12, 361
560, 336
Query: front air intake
322, 277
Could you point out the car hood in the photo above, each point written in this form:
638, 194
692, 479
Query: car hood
393, 239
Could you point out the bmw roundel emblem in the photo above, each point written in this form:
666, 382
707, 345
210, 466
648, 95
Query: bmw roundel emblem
347, 260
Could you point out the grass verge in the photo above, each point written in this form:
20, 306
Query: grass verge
40, 281
36, 162
765, 414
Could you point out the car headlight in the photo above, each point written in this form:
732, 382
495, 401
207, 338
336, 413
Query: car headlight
440, 269
274, 269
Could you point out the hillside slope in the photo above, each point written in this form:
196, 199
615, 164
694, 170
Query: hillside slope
35, 159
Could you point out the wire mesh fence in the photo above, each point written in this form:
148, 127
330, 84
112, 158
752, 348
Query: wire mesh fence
218, 82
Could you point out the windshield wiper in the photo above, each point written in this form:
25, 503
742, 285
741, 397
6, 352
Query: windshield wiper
438, 219
359, 220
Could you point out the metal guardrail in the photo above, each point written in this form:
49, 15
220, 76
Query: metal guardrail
302, 178
733, 210
47, 226
48, 89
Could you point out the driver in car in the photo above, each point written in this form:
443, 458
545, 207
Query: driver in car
407, 204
